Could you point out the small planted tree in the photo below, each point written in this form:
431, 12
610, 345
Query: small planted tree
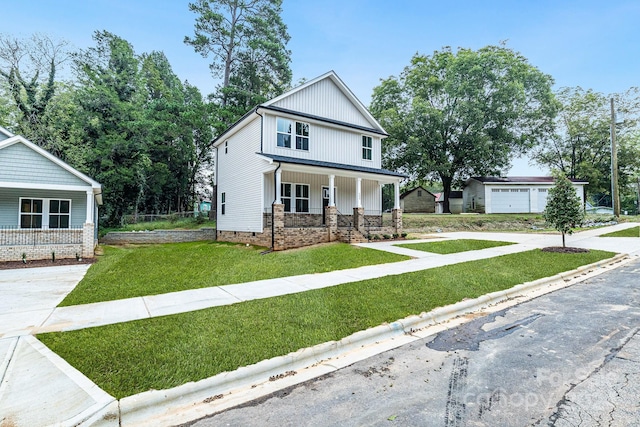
564, 209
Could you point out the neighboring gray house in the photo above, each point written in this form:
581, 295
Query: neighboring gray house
45, 205
298, 169
515, 194
418, 200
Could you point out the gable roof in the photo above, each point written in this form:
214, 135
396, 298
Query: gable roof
406, 193
331, 75
270, 105
18, 139
522, 180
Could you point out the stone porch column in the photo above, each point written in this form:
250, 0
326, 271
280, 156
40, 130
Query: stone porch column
88, 240
396, 215
331, 214
279, 241
358, 218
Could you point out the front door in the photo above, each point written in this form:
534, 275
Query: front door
325, 203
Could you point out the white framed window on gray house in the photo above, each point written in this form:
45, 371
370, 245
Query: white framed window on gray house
223, 203
367, 147
226, 147
45, 213
295, 196
287, 130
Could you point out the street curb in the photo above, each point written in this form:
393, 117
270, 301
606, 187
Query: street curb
198, 399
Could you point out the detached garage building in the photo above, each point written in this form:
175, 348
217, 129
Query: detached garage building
516, 194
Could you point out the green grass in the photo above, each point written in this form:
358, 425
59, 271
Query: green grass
629, 232
453, 246
164, 352
126, 272
189, 223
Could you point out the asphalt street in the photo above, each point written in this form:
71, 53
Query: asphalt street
568, 358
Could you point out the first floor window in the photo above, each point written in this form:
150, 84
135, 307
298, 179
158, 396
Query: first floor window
285, 193
31, 213
295, 196
367, 147
39, 213
223, 201
59, 213
302, 198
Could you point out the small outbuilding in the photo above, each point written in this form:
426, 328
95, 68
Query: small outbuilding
418, 200
516, 194
455, 202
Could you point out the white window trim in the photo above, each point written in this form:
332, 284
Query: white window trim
223, 203
45, 212
293, 197
370, 149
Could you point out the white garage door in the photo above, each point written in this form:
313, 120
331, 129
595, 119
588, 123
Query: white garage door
542, 198
510, 200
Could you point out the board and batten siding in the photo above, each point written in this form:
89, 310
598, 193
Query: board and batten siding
19, 163
327, 144
240, 176
10, 204
345, 191
324, 99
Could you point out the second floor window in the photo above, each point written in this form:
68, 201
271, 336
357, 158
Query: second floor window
367, 147
289, 130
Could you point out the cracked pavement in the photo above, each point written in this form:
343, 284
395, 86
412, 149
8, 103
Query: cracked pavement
568, 358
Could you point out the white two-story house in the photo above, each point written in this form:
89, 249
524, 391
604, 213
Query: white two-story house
303, 168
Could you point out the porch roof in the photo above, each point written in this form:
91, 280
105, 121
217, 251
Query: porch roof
330, 165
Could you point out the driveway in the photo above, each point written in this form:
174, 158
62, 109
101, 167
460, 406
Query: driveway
28, 296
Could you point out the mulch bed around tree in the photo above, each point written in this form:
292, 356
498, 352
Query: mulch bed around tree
9, 265
566, 250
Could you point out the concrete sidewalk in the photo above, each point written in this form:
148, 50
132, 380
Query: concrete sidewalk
39, 388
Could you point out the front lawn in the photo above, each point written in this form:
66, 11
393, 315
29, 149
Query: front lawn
164, 352
126, 272
629, 232
453, 246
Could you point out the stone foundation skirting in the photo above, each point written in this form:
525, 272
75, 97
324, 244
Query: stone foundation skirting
158, 236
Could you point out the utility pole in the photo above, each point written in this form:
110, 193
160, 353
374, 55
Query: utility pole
615, 196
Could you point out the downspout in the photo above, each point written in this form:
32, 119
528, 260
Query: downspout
261, 128
275, 192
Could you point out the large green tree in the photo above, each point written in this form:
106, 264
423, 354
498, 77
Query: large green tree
146, 135
456, 114
28, 69
580, 147
246, 40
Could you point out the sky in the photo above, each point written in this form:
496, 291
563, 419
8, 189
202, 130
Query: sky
587, 43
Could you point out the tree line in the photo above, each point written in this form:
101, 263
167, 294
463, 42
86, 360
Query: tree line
127, 120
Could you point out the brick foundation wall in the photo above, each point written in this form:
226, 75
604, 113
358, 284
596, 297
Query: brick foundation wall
158, 236
14, 253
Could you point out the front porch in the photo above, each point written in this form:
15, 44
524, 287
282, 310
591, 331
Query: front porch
35, 243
